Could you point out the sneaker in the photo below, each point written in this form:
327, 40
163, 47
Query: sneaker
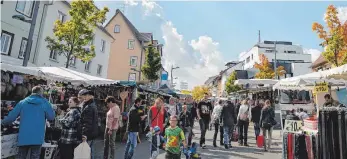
246, 145
214, 145
203, 146
230, 146
226, 146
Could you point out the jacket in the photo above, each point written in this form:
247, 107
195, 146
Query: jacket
216, 114
184, 119
160, 120
89, 120
228, 116
256, 112
245, 109
33, 112
71, 125
267, 116
134, 119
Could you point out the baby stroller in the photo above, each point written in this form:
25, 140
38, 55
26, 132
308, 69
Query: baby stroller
192, 152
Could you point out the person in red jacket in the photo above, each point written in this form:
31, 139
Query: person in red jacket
157, 115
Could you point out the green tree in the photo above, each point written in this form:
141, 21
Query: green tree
229, 84
73, 36
152, 64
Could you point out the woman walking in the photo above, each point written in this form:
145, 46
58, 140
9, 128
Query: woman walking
243, 119
267, 121
112, 117
71, 134
217, 111
256, 111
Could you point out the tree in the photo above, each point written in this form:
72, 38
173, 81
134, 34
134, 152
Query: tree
265, 69
334, 38
152, 65
198, 92
72, 37
229, 84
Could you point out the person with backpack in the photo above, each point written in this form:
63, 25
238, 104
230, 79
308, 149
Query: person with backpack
71, 130
243, 118
112, 118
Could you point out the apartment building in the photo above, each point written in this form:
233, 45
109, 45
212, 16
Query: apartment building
128, 51
15, 32
290, 56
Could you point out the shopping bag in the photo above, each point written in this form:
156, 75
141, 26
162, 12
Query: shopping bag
82, 151
235, 135
260, 141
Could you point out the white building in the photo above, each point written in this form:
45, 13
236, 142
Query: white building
40, 54
290, 56
14, 33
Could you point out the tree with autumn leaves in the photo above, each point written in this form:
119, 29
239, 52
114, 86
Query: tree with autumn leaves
265, 69
198, 92
334, 37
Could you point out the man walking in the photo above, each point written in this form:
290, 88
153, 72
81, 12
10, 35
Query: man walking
33, 112
135, 117
89, 119
229, 119
204, 116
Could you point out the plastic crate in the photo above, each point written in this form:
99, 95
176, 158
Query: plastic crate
311, 124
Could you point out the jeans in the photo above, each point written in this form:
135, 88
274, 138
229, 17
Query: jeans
243, 131
170, 155
269, 137
256, 129
228, 130
203, 128
109, 144
216, 126
66, 151
187, 133
130, 145
35, 152
92, 150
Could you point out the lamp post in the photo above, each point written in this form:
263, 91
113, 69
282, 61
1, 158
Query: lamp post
275, 63
172, 68
31, 31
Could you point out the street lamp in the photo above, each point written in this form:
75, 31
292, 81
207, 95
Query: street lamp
31, 31
172, 68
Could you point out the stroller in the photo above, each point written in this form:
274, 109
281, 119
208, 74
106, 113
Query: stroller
192, 152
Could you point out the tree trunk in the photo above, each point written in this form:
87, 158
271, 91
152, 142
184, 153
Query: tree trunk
335, 56
68, 60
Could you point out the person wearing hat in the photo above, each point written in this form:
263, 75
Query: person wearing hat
89, 118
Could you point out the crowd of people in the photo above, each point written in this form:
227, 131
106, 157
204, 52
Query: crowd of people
172, 124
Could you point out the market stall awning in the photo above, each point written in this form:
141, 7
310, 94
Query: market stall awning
255, 81
61, 74
335, 76
165, 89
127, 83
20, 69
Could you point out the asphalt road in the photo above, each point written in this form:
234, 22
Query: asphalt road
237, 152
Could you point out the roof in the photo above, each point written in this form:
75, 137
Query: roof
98, 26
139, 36
210, 79
321, 60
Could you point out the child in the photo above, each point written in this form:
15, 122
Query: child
174, 137
156, 140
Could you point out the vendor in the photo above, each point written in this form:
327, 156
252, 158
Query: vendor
330, 102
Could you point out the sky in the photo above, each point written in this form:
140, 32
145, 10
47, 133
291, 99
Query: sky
200, 37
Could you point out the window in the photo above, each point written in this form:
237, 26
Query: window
99, 70
292, 52
61, 16
53, 55
252, 57
248, 59
87, 66
116, 28
22, 48
133, 61
6, 42
25, 7
72, 61
269, 51
132, 77
131, 44
102, 49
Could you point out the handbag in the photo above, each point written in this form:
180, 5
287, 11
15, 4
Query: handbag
244, 116
235, 135
260, 141
82, 151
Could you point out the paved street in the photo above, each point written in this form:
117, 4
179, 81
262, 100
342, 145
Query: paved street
237, 152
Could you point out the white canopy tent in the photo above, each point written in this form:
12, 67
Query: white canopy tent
335, 76
255, 81
20, 69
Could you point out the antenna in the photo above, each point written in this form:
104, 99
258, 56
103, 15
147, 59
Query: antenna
259, 39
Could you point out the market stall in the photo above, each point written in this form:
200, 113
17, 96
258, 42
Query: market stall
314, 138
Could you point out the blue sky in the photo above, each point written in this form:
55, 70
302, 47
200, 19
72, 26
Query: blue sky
233, 25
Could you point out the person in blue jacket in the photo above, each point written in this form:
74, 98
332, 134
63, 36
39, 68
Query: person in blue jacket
33, 112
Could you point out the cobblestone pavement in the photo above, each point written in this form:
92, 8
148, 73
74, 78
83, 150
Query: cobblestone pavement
237, 152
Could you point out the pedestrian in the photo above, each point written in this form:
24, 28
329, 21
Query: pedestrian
243, 118
71, 133
112, 120
256, 111
228, 117
133, 127
156, 140
89, 119
204, 116
33, 112
157, 115
172, 107
192, 119
174, 138
184, 120
267, 121
302, 114
291, 115
217, 111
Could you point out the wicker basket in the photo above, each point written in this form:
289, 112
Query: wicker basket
311, 124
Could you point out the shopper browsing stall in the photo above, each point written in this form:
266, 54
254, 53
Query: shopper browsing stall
33, 111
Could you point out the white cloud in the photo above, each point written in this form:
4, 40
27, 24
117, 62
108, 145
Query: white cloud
314, 53
150, 6
131, 2
342, 14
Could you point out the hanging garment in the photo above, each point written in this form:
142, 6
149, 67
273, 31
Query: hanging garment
285, 146
300, 147
314, 146
290, 146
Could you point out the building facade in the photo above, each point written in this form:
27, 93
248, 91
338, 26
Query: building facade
290, 56
320, 64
